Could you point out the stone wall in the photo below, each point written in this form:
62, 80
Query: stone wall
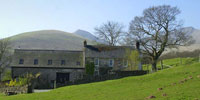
14, 90
110, 76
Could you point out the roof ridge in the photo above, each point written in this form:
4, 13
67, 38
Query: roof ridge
46, 50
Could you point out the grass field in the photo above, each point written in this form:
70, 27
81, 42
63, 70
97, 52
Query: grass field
171, 81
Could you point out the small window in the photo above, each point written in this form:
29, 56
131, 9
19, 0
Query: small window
35, 61
49, 62
111, 62
21, 61
96, 61
78, 63
62, 62
125, 63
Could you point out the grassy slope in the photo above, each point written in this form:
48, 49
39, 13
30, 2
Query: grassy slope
130, 88
48, 39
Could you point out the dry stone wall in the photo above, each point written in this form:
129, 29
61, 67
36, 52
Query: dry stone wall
14, 90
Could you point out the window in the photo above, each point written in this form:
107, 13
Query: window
96, 61
111, 62
78, 63
35, 61
125, 63
21, 61
49, 62
62, 62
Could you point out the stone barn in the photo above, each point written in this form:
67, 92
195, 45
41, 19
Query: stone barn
61, 66
58, 66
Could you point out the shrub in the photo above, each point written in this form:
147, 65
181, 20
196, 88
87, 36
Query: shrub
90, 68
7, 75
25, 80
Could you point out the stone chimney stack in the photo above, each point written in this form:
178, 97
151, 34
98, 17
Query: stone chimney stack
85, 43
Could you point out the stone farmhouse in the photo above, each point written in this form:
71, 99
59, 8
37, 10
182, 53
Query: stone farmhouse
61, 66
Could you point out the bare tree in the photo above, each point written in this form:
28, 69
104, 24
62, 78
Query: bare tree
127, 40
157, 29
110, 32
5, 57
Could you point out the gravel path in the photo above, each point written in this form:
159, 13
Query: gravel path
44, 90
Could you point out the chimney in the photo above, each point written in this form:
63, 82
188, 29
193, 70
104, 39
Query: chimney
138, 45
140, 55
85, 43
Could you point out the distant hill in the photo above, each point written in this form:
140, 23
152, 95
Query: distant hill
88, 36
48, 39
196, 36
195, 33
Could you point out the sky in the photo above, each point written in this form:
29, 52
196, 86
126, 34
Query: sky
18, 16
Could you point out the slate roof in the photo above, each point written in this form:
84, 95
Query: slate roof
104, 51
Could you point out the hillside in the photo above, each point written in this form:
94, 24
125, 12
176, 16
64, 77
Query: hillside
181, 82
195, 33
48, 39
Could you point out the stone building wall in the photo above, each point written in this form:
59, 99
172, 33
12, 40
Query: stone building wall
104, 62
71, 58
48, 75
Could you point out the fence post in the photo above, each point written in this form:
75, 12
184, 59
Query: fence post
161, 63
54, 84
199, 57
180, 60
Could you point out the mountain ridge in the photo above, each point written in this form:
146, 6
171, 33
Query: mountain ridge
88, 35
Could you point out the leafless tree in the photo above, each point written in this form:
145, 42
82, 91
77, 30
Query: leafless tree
157, 29
110, 32
127, 40
5, 57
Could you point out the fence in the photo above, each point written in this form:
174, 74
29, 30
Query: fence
110, 76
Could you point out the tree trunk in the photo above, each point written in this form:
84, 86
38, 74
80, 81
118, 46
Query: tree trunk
154, 68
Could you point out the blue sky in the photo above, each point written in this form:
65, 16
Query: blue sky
17, 16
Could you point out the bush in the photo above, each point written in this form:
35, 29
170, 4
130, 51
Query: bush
25, 80
90, 68
12, 83
7, 75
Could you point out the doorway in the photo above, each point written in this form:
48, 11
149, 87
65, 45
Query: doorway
62, 77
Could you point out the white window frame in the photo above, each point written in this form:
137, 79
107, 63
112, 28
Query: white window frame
125, 63
97, 62
112, 62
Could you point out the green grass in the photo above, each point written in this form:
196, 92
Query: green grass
131, 88
172, 62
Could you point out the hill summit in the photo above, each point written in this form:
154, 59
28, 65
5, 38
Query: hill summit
48, 39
